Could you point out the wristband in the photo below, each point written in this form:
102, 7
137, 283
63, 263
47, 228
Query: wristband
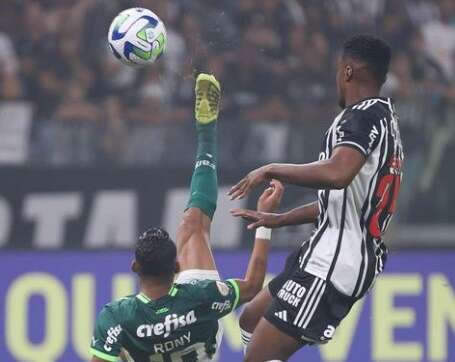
263, 233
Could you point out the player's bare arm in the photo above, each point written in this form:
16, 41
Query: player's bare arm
306, 214
257, 266
337, 172
257, 307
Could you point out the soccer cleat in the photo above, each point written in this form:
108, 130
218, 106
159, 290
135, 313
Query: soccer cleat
208, 96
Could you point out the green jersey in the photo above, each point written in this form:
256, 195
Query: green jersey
181, 326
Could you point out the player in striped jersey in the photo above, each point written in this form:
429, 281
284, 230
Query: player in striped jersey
358, 176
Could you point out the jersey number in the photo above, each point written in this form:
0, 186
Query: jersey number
387, 192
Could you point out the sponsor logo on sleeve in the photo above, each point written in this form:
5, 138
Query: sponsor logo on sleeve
222, 307
222, 288
112, 337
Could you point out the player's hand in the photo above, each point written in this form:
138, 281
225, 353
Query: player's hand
249, 182
271, 197
258, 218
267, 203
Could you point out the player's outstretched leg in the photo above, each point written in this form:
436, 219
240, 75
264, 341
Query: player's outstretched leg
251, 315
193, 247
261, 349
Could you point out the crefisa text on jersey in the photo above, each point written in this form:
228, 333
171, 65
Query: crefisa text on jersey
221, 307
171, 323
112, 335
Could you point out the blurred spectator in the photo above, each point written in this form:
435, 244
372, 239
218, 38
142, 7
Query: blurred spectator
10, 86
360, 13
114, 136
275, 59
76, 105
421, 11
439, 35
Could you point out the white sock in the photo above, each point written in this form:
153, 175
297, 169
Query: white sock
246, 338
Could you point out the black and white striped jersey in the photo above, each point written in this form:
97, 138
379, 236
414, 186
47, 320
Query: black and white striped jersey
346, 248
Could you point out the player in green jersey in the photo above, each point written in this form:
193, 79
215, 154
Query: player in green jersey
175, 316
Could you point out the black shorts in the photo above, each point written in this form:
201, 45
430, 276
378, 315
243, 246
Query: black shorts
304, 306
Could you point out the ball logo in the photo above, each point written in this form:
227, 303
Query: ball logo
137, 36
123, 25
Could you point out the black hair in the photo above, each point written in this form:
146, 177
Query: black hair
371, 50
156, 253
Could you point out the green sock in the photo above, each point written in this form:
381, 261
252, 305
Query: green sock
204, 183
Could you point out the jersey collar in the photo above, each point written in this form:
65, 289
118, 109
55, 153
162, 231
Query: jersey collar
144, 299
382, 99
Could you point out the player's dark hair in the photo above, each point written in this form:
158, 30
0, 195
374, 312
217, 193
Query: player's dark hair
371, 50
156, 253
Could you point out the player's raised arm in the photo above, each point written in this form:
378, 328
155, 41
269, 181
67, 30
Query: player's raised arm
305, 214
337, 172
257, 266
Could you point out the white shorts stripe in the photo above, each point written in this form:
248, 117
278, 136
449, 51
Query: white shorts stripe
313, 300
302, 307
315, 305
308, 302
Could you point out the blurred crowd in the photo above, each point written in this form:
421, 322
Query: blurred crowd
275, 59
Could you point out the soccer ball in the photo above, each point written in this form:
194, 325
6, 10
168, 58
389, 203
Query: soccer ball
137, 36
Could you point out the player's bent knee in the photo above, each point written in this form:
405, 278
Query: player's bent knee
249, 318
190, 225
191, 243
254, 310
194, 221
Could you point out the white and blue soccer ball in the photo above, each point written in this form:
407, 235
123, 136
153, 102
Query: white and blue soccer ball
137, 36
